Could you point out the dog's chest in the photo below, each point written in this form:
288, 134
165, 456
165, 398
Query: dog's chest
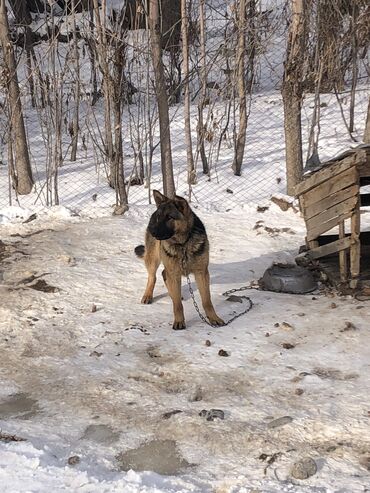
187, 257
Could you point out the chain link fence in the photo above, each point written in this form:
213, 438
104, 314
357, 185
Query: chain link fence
61, 84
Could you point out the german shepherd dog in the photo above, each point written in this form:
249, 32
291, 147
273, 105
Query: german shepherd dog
176, 237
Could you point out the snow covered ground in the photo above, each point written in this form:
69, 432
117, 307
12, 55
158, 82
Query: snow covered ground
89, 372
99, 394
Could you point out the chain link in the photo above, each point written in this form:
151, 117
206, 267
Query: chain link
226, 293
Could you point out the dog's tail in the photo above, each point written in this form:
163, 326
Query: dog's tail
139, 251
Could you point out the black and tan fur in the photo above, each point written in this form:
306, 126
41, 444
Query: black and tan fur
174, 230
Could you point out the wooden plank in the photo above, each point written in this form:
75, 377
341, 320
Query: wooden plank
332, 185
364, 170
343, 263
312, 244
328, 249
329, 238
355, 251
333, 213
325, 174
327, 202
316, 231
364, 164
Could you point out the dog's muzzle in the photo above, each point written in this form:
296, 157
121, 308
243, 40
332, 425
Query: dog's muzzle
159, 230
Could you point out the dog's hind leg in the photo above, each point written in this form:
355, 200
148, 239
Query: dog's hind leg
152, 261
202, 280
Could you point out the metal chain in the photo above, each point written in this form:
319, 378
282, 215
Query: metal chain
226, 293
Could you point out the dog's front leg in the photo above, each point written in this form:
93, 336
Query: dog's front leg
202, 280
173, 283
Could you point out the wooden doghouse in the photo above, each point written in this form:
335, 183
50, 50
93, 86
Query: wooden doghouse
330, 197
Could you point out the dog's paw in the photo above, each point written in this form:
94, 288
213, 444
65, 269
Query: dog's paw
216, 321
179, 325
147, 300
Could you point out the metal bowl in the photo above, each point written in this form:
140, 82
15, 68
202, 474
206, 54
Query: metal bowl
288, 278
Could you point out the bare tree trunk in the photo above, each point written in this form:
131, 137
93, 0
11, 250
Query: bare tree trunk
118, 91
292, 92
40, 79
77, 91
90, 48
367, 126
354, 50
313, 158
102, 50
150, 119
120, 187
162, 99
24, 182
23, 19
56, 93
203, 93
240, 139
192, 178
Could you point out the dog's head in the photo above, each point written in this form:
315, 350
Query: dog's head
170, 218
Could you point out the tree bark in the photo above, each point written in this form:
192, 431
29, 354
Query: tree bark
192, 178
292, 92
102, 51
23, 19
77, 89
162, 99
118, 91
203, 93
92, 57
354, 50
240, 69
24, 182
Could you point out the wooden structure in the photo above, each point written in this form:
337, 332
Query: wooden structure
330, 197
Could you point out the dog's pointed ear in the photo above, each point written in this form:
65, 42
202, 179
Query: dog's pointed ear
181, 204
159, 198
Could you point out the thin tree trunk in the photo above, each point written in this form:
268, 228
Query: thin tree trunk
11, 170
162, 99
313, 158
23, 19
24, 182
192, 178
240, 139
102, 50
149, 121
120, 187
57, 151
30, 75
77, 90
118, 89
40, 79
354, 49
94, 80
292, 92
203, 93
56, 93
